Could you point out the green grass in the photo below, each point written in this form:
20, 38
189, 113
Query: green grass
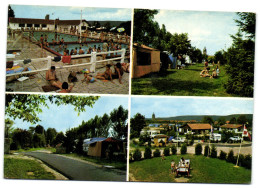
53, 150
117, 164
24, 169
183, 82
204, 170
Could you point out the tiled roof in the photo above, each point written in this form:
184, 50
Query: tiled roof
144, 47
231, 126
198, 126
44, 21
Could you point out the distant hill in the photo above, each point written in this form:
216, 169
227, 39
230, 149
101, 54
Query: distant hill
200, 117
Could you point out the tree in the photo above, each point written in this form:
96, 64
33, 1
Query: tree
219, 57
50, 136
195, 54
207, 119
240, 57
27, 106
8, 127
119, 123
39, 129
105, 125
59, 138
144, 26
233, 120
204, 54
242, 119
22, 138
10, 13
179, 44
137, 123
221, 121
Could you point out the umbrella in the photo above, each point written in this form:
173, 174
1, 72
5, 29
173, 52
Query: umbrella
113, 28
121, 29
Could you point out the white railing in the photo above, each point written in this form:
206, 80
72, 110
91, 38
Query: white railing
92, 62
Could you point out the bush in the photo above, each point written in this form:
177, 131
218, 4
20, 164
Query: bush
183, 149
174, 150
198, 149
213, 153
166, 151
230, 157
137, 155
206, 151
157, 153
148, 153
223, 155
247, 162
191, 142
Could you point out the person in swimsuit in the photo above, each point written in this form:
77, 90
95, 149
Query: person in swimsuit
88, 78
65, 88
107, 75
51, 77
118, 72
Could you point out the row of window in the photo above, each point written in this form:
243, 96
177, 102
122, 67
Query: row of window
30, 25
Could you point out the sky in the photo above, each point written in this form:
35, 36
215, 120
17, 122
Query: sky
169, 107
64, 117
72, 13
205, 29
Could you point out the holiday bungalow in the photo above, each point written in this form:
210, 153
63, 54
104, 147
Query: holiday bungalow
195, 128
46, 24
237, 128
160, 140
102, 147
145, 60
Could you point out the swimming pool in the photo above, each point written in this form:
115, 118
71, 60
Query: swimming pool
85, 47
51, 35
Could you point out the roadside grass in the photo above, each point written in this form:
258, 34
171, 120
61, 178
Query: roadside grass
53, 150
117, 164
183, 82
25, 169
204, 170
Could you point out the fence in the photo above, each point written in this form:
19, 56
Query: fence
92, 62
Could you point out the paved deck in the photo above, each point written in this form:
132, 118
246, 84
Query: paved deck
32, 51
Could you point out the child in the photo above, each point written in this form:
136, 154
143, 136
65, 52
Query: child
107, 75
173, 166
88, 78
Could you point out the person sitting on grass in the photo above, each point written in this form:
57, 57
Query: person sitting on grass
214, 74
204, 73
88, 78
172, 166
217, 70
118, 72
52, 78
107, 75
66, 88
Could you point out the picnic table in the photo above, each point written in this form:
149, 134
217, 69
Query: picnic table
183, 168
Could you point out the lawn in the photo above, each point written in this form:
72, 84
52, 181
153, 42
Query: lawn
183, 82
25, 169
204, 170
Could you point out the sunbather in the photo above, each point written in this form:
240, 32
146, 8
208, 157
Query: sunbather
66, 88
118, 72
107, 75
52, 78
173, 166
88, 78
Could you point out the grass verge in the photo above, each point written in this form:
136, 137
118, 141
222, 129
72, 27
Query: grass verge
204, 170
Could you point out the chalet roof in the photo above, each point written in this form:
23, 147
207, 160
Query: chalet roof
160, 136
231, 126
44, 21
144, 47
199, 126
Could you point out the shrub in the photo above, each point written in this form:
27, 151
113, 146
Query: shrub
223, 155
148, 153
137, 155
183, 149
166, 151
198, 149
247, 162
230, 157
157, 153
191, 142
174, 150
213, 153
206, 151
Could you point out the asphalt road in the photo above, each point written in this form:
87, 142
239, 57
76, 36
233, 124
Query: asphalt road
77, 170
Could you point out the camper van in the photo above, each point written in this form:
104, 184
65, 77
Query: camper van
215, 137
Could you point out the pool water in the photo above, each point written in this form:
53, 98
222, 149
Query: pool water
85, 47
51, 35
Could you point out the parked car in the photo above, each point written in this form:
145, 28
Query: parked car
235, 139
215, 137
178, 139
